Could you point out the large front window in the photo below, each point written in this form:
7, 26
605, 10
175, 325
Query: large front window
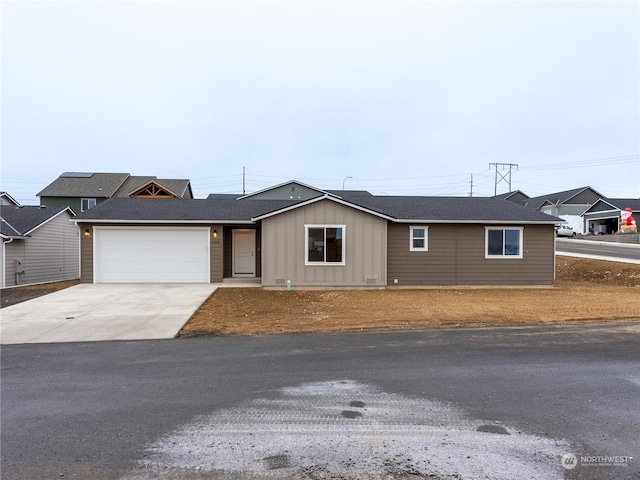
503, 242
324, 244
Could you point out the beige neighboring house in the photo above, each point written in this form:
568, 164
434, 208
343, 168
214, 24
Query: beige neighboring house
310, 237
39, 244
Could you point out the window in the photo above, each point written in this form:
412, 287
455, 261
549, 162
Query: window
418, 239
87, 203
324, 244
503, 242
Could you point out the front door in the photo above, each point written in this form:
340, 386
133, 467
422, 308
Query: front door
244, 247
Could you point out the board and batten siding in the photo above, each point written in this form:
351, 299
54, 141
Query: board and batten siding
49, 254
283, 248
456, 256
87, 246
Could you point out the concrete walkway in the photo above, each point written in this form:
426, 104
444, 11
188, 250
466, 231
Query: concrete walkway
88, 312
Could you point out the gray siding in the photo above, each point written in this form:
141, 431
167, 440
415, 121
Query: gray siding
587, 197
456, 256
288, 192
283, 247
50, 254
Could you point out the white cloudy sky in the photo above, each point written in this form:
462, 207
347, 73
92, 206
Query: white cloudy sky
405, 97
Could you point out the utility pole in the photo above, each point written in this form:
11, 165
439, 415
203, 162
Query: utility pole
243, 190
471, 191
503, 177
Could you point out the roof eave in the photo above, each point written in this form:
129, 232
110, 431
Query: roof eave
484, 222
168, 222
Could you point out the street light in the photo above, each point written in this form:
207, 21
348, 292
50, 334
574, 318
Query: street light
345, 179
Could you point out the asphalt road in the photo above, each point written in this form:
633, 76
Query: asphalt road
503, 403
595, 249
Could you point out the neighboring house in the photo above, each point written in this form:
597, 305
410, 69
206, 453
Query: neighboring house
83, 190
516, 196
603, 217
39, 244
6, 199
311, 237
568, 205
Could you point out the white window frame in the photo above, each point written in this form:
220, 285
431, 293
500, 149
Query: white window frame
503, 229
324, 263
88, 200
426, 238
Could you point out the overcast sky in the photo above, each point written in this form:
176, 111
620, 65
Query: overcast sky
404, 97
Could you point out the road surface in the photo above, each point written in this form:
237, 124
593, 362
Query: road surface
620, 252
496, 403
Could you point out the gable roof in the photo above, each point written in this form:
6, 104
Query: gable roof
326, 197
99, 185
107, 185
132, 210
614, 204
455, 209
285, 184
9, 198
397, 209
177, 187
515, 196
559, 197
22, 220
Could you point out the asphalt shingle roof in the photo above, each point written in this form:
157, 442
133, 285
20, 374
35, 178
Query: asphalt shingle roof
437, 209
98, 185
150, 209
21, 220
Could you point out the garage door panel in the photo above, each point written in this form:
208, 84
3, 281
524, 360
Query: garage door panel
154, 255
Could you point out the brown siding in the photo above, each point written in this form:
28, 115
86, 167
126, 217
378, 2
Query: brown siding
86, 255
456, 256
216, 256
228, 249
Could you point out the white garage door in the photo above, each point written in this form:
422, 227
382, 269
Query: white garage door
151, 255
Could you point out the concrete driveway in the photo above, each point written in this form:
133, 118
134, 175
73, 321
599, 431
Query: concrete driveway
87, 312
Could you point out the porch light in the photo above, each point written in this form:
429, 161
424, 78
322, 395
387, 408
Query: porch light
215, 234
87, 233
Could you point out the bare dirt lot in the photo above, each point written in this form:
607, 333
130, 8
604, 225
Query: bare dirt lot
585, 291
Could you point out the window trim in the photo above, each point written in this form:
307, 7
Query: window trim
503, 229
426, 238
324, 263
88, 200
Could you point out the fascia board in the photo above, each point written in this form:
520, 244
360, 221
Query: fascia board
484, 222
67, 209
168, 222
319, 199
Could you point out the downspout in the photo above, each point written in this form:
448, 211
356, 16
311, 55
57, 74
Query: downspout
4, 263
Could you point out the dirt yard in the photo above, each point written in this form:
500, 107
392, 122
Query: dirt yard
586, 291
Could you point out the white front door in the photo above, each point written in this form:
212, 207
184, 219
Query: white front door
244, 249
